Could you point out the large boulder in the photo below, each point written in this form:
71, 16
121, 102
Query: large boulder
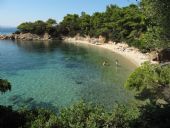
3, 37
26, 36
164, 55
102, 39
46, 36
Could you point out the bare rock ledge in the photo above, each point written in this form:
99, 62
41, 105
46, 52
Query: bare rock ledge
26, 36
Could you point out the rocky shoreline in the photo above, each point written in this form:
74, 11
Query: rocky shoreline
25, 36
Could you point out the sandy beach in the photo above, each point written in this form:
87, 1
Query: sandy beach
131, 53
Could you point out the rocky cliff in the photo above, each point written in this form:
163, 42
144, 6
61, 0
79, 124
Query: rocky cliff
26, 36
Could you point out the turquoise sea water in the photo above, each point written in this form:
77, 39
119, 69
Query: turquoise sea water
55, 74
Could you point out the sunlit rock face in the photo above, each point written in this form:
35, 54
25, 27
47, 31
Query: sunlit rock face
26, 36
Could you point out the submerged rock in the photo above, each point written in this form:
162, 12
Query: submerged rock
14, 98
29, 100
71, 66
79, 82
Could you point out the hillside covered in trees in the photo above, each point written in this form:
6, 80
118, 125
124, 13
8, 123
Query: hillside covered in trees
144, 26
117, 24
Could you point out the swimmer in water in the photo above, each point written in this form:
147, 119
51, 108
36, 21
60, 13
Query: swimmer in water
117, 62
105, 63
117, 65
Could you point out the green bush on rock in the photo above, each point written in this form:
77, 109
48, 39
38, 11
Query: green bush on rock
4, 86
150, 81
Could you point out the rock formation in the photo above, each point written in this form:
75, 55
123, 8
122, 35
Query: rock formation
102, 39
26, 36
164, 55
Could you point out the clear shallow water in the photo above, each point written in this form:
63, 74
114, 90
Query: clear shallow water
55, 74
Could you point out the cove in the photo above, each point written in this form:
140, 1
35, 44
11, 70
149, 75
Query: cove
55, 74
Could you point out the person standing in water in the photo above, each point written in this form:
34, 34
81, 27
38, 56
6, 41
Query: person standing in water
117, 62
105, 63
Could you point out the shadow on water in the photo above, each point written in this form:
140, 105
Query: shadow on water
28, 55
29, 103
35, 54
50, 46
38, 46
10, 118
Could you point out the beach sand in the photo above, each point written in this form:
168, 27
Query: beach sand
131, 53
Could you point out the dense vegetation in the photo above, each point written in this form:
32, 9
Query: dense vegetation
117, 24
151, 81
151, 84
157, 17
145, 26
39, 27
